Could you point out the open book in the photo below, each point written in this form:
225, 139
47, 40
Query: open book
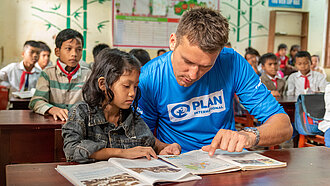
199, 162
119, 171
24, 94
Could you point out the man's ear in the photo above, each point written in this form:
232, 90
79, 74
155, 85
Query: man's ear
101, 83
57, 52
172, 41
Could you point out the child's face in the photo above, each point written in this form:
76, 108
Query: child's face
70, 52
30, 55
124, 89
270, 67
315, 61
282, 52
303, 65
252, 59
293, 52
43, 59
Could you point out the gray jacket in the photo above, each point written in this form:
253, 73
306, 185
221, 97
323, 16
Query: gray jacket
87, 131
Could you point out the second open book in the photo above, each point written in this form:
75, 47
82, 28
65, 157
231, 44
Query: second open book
199, 162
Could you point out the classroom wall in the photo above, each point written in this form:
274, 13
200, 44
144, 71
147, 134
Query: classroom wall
41, 20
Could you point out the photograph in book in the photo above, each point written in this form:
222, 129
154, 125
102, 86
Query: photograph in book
251, 160
199, 162
153, 170
100, 173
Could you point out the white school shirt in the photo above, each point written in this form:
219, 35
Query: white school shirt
296, 83
38, 66
10, 76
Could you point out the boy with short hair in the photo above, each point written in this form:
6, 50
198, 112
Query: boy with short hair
141, 54
315, 64
269, 77
22, 76
60, 86
305, 81
44, 57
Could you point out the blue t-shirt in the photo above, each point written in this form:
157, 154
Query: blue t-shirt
192, 116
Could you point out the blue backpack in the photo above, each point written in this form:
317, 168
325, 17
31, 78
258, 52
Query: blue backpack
310, 110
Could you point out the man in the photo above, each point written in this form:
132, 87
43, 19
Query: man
187, 93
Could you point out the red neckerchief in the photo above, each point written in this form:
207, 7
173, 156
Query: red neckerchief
275, 81
69, 75
21, 83
306, 81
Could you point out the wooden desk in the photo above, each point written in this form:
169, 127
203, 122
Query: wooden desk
19, 104
288, 103
306, 166
26, 137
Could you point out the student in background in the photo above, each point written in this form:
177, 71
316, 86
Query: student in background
59, 86
281, 55
315, 65
252, 56
305, 81
96, 50
324, 126
141, 54
107, 124
161, 52
293, 50
22, 76
44, 56
269, 77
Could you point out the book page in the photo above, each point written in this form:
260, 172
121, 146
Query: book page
199, 162
250, 160
153, 170
100, 173
24, 94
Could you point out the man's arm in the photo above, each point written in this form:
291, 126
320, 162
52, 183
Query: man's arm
275, 130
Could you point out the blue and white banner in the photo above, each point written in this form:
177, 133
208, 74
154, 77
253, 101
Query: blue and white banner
285, 3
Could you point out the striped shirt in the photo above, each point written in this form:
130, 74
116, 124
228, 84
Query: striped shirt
53, 89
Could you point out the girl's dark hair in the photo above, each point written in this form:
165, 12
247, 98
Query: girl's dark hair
282, 46
251, 51
110, 64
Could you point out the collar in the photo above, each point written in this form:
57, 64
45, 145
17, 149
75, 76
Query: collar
21, 67
270, 77
63, 65
308, 74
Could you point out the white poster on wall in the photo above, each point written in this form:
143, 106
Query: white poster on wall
149, 23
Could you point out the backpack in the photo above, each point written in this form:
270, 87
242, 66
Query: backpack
310, 110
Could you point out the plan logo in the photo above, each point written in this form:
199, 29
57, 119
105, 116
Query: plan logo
180, 111
197, 107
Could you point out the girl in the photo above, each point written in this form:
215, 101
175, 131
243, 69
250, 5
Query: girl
105, 125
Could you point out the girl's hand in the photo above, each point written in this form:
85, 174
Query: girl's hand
171, 149
137, 152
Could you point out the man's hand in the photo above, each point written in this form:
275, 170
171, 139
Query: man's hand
231, 141
275, 93
56, 112
171, 149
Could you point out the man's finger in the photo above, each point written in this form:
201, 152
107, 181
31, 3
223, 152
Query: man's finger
233, 142
215, 143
